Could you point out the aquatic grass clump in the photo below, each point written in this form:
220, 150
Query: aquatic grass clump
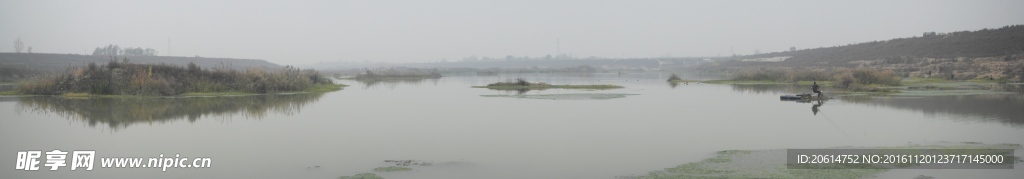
769, 164
362, 176
125, 78
674, 77
522, 84
519, 82
391, 169
752, 164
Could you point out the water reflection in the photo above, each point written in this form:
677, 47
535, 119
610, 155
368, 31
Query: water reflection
1016, 88
815, 106
516, 91
675, 84
1006, 109
123, 112
571, 96
392, 83
772, 88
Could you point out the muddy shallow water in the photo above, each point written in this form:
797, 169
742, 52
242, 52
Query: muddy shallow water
468, 133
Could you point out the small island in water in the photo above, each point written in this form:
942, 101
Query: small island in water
522, 84
122, 78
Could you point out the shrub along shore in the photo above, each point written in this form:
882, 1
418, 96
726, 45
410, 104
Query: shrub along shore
125, 78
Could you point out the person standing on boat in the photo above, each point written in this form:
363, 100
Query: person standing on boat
815, 87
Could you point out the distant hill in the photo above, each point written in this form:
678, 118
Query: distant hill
53, 62
1005, 41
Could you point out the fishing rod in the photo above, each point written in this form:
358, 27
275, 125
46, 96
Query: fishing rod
829, 119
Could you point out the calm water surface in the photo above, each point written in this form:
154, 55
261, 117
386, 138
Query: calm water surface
468, 135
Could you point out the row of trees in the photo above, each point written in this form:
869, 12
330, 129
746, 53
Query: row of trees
130, 51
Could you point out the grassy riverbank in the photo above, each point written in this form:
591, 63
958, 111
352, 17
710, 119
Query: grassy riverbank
131, 79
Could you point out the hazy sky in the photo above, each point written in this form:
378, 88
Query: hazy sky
305, 32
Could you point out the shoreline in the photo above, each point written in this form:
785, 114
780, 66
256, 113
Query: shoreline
320, 88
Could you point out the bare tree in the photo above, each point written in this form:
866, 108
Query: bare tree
18, 45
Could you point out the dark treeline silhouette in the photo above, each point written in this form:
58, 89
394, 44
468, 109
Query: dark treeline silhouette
128, 51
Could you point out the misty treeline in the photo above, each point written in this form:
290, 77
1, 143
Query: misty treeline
11, 73
1008, 40
128, 51
475, 58
120, 77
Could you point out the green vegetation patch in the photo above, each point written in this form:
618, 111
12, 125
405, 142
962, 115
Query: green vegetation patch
9, 93
10, 82
772, 164
392, 169
752, 164
362, 176
322, 88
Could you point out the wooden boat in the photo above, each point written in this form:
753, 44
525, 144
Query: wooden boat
791, 97
796, 97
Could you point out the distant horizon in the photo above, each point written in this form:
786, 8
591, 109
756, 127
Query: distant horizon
574, 57
309, 32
